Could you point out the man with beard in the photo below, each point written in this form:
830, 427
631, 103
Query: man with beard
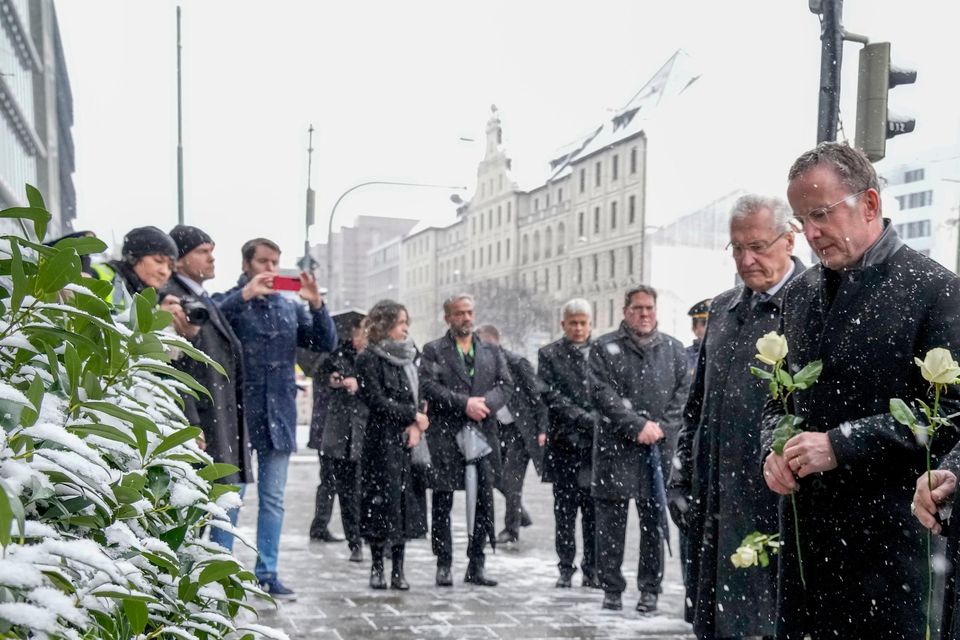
714, 499
639, 386
565, 371
866, 311
464, 382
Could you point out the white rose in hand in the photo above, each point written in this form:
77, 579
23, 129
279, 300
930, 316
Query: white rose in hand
771, 348
939, 367
744, 557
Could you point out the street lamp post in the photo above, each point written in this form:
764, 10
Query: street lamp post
343, 195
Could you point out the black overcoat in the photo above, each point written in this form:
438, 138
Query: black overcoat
717, 449
446, 386
346, 413
564, 369
630, 385
221, 417
863, 553
392, 509
526, 405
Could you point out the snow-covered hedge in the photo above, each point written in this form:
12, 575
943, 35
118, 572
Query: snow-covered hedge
103, 489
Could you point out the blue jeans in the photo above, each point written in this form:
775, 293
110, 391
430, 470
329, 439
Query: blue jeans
220, 536
271, 482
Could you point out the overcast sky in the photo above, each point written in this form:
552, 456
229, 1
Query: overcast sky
391, 87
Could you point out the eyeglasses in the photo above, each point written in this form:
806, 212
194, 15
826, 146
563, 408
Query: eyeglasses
819, 216
758, 247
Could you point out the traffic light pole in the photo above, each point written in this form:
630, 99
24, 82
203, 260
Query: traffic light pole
831, 59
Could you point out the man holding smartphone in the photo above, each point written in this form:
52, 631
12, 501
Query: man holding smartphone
271, 327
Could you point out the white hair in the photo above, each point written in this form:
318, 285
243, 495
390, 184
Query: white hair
575, 307
753, 203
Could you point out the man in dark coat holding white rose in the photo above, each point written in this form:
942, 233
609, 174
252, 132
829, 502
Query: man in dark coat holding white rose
713, 501
866, 311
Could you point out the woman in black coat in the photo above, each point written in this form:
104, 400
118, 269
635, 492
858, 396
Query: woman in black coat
391, 512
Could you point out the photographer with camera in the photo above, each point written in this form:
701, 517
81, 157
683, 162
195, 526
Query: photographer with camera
197, 318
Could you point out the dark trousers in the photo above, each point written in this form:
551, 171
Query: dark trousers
441, 535
338, 477
515, 463
611, 538
568, 497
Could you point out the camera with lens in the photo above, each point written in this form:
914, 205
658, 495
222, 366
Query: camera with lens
196, 312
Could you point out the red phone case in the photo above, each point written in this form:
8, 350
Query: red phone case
286, 283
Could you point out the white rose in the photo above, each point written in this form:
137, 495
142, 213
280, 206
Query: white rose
771, 348
939, 367
744, 557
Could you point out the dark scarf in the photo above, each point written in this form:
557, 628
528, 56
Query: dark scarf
641, 341
130, 278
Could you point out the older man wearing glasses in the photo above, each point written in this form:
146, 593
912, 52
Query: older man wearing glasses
869, 308
716, 497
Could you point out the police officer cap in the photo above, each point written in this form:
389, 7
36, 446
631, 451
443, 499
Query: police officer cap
700, 310
148, 241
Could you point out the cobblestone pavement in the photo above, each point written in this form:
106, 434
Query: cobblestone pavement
335, 601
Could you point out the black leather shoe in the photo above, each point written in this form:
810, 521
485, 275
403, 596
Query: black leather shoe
324, 536
444, 579
377, 580
398, 581
590, 581
475, 575
525, 519
507, 537
647, 602
356, 554
564, 581
611, 601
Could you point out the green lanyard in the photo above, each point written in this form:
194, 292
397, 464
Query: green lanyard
468, 358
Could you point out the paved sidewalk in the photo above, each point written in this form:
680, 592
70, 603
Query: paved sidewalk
335, 601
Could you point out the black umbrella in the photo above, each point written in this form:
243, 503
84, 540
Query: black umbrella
345, 320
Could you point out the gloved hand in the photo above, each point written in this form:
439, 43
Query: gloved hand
679, 501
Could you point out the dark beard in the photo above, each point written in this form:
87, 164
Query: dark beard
461, 332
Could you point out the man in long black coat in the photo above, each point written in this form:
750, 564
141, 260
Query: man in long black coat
464, 382
714, 497
568, 445
866, 311
640, 383
221, 415
521, 421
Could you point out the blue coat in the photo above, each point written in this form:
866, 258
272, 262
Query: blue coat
270, 329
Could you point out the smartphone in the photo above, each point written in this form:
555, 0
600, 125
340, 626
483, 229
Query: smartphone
286, 283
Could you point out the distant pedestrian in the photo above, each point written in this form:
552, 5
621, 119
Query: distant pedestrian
639, 378
392, 509
565, 370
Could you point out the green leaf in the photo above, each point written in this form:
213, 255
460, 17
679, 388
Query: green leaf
148, 345
192, 352
786, 428
218, 490
161, 319
176, 439
902, 413
774, 389
104, 431
806, 377
35, 198
10, 509
29, 415
161, 562
136, 614
174, 537
56, 336
176, 374
764, 559
72, 366
784, 378
56, 273
217, 570
10, 413
187, 590
763, 374
100, 288
125, 495
83, 246
38, 216
217, 470
21, 286
141, 314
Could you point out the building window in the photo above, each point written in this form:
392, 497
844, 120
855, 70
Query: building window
525, 250
481, 257
536, 246
509, 209
559, 277
917, 229
615, 167
596, 267
536, 204
559, 196
579, 270
473, 259
561, 238
507, 252
546, 280
583, 180
613, 215
547, 203
481, 223
580, 225
598, 174
489, 254
633, 160
631, 209
594, 305
610, 311
915, 200
629, 259
596, 219
498, 252
473, 226
548, 243
913, 176
499, 216
613, 263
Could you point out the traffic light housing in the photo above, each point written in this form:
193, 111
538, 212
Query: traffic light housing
875, 124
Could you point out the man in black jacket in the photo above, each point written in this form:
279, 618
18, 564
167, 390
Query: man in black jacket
640, 383
521, 422
866, 312
221, 416
464, 382
714, 498
565, 371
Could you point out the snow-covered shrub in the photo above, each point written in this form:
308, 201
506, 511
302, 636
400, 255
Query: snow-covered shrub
103, 489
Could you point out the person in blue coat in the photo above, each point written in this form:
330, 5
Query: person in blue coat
271, 327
